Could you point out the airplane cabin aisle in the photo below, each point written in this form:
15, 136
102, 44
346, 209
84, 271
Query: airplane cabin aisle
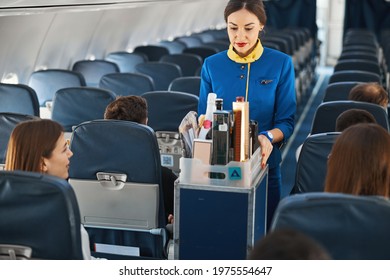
303, 121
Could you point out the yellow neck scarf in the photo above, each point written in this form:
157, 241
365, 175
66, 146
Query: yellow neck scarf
253, 56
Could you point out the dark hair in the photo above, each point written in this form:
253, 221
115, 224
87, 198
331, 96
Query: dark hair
353, 116
256, 7
128, 108
359, 162
288, 244
29, 142
369, 92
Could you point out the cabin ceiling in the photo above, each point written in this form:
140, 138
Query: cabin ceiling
56, 36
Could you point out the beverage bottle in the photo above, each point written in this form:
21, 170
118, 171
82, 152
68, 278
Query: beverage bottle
241, 129
219, 104
208, 118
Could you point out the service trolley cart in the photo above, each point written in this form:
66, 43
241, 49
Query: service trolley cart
219, 218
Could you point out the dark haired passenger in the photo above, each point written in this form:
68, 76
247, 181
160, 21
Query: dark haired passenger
359, 162
353, 116
40, 146
135, 108
346, 119
264, 76
128, 108
288, 244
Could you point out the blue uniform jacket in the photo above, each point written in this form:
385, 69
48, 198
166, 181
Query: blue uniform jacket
271, 92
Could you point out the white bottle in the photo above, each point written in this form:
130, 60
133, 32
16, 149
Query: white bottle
208, 118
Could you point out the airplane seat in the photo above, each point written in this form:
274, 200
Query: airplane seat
327, 112
94, 70
47, 82
358, 64
39, 217
190, 41
219, 45
188, 62
168, 108
72, 106
338, 91
186, 84
271, 45
218, 35
123, 84
312, 162
349, 227
116, 174
358, 55
166, 111
360, 47
204, 37
363, 40
162, 73
7, 123
174, 47
282, 43
354, 76
202, 51
18, 98
154, 53
126, 61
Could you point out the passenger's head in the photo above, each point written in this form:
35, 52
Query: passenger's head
353, 116
369, 92
245, 20
128, 108
38, 146
359, 162
288, 244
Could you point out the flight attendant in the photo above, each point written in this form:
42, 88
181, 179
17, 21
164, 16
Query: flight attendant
265, 77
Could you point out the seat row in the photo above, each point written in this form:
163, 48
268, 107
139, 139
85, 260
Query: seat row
347, 236
361, 59
98, 179
161, 64
385, 45
23, 99
315, 213
98, 73
359, 63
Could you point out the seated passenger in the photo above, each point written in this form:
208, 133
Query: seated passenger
288, 244
369, 92
353, 116
135, 108
359, 162
346, 119
40, 146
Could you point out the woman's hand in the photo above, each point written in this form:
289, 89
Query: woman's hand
266, 149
